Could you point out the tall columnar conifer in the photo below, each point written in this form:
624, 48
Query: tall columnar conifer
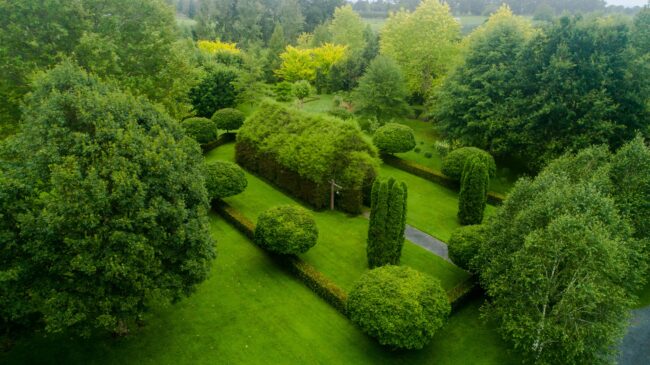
473, 192
387, 222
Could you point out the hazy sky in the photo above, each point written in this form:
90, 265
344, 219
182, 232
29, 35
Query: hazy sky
627, 2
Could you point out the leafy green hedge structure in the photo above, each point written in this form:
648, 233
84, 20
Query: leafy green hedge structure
464, 244
200, 129
394, 138
387, 222
302, 153
286, 229
399, 306
224, 179
473, 192
454, 162
228, 119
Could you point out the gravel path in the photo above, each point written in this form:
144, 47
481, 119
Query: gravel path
635, 348
423, 240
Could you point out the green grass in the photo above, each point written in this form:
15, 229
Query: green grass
425, 138
432, 208
252, 312
340, 253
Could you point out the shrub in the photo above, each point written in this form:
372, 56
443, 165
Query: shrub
283, 91
286, 229
473, 192
464, 244
228, 119
341, 113
428, 155
394, 138
224, 179
387, 222
216, 91
301, 89
368, 125
417, 150
454, 162
398, 306
202, 130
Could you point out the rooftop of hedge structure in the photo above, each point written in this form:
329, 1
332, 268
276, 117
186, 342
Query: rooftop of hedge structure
317, 147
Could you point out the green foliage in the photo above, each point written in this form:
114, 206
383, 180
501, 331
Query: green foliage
103, 208
382, 92
454, 163
301, 89
516, 93
630, 174
318, 148
394, 138
464, 244
286, 229
228, 119
283, 91
399, 306
201, 130
474, 186
424, 43
224, 179
215, 91
559, 262
347, 29
136, 46
387, 222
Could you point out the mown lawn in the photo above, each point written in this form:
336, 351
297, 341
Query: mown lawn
252, 312
340, 253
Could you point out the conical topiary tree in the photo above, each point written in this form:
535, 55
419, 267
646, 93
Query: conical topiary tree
474, 186
387, 222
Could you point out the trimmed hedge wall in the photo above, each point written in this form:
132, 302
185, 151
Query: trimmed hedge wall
434, 176
301, 153
315, 280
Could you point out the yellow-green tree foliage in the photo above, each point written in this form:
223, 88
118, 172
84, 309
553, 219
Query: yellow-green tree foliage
303, 64
214, 47
425, 43
347, 29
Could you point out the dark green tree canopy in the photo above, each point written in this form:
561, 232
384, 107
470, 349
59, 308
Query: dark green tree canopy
202, 130
215, 91
399, 306
224, 179
286, 229
464, 244
394, 138
228, 119
104, 208
382, 90
474, 186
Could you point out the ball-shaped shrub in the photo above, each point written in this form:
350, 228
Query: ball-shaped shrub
228, 119
394, 138
454, 162
224, 179
286, 229
202, 130
399, 306
301, 89
464, 244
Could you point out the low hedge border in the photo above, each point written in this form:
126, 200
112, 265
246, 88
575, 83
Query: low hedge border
434, 176
314, 279
221, 140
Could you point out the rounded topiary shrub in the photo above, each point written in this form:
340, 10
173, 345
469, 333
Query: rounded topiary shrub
202, 130
399, 306
224, 179
394, 138
464, 244
228, 119
454, 162
286, 229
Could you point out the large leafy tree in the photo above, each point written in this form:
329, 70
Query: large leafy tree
103, 208
382, 91
472, 103
576, 84
347, 29
559, 263
131, 41
424, 43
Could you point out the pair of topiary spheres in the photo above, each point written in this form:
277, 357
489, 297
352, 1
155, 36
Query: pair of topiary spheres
204, 130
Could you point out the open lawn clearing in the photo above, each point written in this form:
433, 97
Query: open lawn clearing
341, 250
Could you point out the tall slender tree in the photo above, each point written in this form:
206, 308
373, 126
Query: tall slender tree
387, 222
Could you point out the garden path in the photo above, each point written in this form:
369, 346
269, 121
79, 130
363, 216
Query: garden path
634, 348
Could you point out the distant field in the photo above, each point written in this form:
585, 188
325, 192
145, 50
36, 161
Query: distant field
468, 23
